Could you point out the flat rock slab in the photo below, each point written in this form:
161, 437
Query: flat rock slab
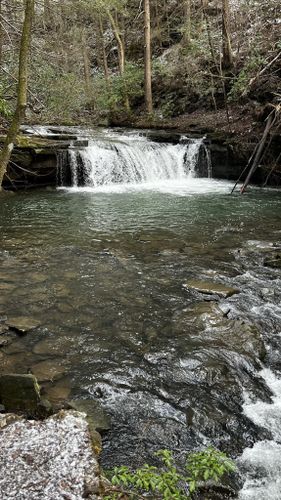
211, 288
50, 460
22, 324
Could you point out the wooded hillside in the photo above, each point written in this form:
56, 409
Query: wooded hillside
88, 58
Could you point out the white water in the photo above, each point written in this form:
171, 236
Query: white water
132, 161
263, 461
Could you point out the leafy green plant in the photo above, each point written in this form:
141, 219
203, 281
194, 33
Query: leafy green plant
111, 94
5, 109
167, 482
208, 465
242, 80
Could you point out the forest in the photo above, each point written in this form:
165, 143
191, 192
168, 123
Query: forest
140, 292
96, 60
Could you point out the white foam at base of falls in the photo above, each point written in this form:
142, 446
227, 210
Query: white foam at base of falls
133, 160
263, 461
185, 187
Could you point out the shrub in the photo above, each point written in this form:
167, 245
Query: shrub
167, 482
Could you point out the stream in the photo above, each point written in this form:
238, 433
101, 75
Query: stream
102, 267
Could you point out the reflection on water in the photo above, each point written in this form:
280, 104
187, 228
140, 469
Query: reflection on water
103, 273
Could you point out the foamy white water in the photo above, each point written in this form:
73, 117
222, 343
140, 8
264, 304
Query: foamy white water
263, 461
134, 160
184, 187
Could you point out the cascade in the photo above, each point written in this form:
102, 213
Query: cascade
134, 159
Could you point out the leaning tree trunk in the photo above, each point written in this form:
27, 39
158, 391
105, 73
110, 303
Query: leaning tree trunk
21, 91
147, 58
1, 34
227, 59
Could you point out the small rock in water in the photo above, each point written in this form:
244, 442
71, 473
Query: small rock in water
48, 370
211, 288
53, 459
22, 324
96, 415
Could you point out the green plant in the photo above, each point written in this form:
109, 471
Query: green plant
167, 482
208, 465
5, 109
242, 80
111, 94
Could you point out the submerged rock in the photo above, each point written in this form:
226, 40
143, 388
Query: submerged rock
22, 324
59, 392
50, 369
20, 393
211, 288
53, 459
95, 413
273, 261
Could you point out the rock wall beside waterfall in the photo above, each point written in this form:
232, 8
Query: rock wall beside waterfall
52, 157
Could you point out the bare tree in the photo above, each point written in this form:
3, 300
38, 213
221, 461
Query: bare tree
21, 91
227, 58
147, 58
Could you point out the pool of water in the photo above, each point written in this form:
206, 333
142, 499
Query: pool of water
102, 271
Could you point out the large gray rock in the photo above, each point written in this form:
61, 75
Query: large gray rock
49, 460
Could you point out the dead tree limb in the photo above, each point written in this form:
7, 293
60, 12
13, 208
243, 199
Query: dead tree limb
270, 122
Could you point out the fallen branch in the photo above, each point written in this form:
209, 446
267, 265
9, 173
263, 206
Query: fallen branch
260, 73
270, 122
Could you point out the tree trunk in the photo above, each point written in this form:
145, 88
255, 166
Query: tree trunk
147, 58
121, 48
187, 15
103, 50
211, 45
227, 59
1, 34
121, 52
87, 69
21, 91
47, 13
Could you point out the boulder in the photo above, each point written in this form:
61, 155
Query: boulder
51, 459
20, 393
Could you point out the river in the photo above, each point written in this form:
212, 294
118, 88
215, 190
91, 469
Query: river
103, 269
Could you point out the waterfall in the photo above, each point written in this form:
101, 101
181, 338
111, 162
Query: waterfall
133, 159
